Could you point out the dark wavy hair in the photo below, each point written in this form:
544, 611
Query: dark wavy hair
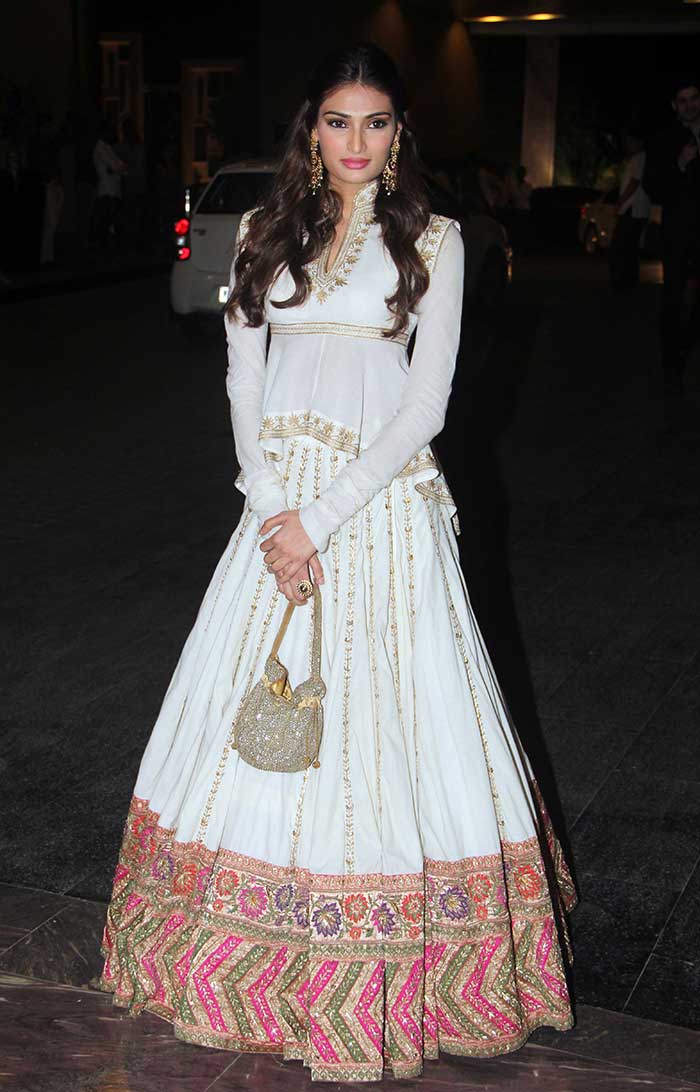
292, 226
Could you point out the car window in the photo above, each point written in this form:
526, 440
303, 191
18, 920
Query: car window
232, 194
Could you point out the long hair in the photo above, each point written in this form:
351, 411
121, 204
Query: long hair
292, 226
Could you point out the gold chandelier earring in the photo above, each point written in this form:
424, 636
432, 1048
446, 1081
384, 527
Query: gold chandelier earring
390, 174
316, 163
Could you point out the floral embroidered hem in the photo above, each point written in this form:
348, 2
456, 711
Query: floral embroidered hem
350, 974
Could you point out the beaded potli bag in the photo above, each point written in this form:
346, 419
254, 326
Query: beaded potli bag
279, 728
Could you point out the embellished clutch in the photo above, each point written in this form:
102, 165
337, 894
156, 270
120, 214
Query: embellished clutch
279, 728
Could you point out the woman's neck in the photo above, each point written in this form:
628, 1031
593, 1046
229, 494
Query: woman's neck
348, 193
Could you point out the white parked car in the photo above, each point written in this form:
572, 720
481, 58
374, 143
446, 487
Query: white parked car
597, 224
205, 240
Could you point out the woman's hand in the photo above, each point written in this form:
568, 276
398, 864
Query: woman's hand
289, 548
289, 587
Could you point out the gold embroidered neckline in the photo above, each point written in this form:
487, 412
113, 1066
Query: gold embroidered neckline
324, 281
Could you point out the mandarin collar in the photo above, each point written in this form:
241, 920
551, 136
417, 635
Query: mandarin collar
366, 194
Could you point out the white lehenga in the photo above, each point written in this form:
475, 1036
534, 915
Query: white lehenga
406, 897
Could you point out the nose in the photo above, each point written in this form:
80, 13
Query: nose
356, 139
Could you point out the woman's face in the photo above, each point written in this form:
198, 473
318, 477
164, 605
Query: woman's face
355, 128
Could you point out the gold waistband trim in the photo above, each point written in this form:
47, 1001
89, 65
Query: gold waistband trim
342, 329
319, 427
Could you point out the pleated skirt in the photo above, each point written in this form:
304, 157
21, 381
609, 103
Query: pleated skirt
406, 897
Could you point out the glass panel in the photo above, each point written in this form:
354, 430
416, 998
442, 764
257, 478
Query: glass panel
229, 194
124, 51
214, 88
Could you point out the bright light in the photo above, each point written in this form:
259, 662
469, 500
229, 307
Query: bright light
538, 17
183, 254
181, 227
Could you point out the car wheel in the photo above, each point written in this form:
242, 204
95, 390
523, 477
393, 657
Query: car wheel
591, 243
493, 280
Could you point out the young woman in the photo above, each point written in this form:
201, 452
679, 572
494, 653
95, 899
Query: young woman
405, 896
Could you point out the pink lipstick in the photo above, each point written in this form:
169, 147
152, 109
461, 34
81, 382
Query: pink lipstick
355, 164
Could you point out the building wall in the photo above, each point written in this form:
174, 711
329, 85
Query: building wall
432, 50
37, 51
501, 66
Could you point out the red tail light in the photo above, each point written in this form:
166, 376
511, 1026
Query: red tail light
182, 238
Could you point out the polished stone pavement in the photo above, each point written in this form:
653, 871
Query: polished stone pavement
59, 1034
577, 487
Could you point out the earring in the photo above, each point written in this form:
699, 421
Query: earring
316, 163
389, 174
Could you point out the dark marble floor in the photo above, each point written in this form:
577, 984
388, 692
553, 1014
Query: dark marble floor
577, 488
56, 1038
59, 1033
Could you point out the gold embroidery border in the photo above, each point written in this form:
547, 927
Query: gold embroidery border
343, 329
323, 281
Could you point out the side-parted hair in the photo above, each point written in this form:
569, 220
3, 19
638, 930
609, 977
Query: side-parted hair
292, 226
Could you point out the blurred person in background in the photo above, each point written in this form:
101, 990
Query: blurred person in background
518, 189
53, 209
517, 215
672, 179
633, 210
492, 186
110, 169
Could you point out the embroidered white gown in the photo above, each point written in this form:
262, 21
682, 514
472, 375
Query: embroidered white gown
405, 897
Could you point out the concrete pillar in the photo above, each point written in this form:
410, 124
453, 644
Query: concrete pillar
540, 108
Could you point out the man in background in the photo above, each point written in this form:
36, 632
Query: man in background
672, 179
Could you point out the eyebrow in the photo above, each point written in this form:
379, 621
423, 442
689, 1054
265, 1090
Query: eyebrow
376, 114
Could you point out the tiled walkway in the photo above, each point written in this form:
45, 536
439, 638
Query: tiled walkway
577, 489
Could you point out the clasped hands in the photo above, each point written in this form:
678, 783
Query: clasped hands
290, 553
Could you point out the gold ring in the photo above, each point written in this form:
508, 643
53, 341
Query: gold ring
304, 588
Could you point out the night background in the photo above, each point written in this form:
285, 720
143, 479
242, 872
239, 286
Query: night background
574, 463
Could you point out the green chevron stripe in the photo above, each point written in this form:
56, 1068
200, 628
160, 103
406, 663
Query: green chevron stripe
395, 1051
170, 958
290, 977
230, 984
335, 1003
444, 985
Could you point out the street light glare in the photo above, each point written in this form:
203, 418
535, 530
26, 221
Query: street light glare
540, 16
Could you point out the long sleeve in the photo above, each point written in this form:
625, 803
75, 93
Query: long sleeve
245, 385
662, 175
664, 180
422, 409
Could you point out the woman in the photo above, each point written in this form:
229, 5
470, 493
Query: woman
398, 899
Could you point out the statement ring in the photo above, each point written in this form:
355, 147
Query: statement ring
304, 588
